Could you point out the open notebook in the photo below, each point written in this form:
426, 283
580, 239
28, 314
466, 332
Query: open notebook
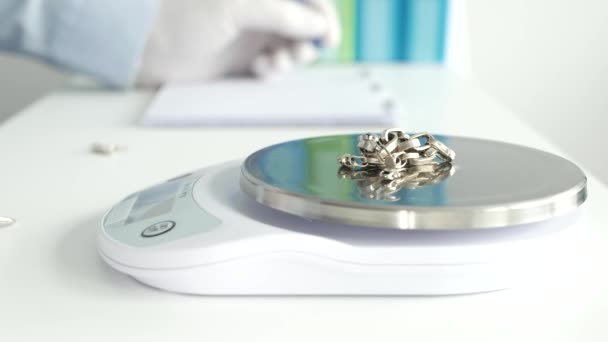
322, 96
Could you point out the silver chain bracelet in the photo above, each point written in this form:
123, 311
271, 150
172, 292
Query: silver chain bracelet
393, 154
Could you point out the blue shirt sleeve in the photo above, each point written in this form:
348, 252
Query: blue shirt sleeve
104, 39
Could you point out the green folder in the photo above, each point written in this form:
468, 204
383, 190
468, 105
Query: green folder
348, 15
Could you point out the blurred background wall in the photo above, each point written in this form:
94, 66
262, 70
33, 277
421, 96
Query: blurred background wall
23, 80
545, 59
548, 61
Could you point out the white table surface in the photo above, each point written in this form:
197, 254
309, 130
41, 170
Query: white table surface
53, 286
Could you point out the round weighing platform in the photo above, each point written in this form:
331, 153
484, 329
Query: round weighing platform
490, 184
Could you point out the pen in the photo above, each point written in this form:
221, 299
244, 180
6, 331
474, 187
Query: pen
6, 221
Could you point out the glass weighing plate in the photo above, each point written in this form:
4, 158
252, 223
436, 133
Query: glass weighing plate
491, 184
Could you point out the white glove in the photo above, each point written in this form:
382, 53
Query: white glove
205, 39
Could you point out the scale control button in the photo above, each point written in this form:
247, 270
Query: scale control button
158, 229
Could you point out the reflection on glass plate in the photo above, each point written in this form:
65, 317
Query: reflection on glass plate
374, 185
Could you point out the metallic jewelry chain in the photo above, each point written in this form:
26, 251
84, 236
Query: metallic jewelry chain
391, 154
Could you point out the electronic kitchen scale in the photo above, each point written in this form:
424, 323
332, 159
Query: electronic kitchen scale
288, 221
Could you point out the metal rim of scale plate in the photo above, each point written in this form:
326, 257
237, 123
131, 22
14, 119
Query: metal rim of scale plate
569, 191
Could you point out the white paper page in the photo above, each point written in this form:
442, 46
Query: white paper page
307, 97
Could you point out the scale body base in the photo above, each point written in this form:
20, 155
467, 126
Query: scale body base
199, 234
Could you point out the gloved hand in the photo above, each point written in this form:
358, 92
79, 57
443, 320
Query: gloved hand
205, 39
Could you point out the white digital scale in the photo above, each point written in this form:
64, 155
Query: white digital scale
285, 221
